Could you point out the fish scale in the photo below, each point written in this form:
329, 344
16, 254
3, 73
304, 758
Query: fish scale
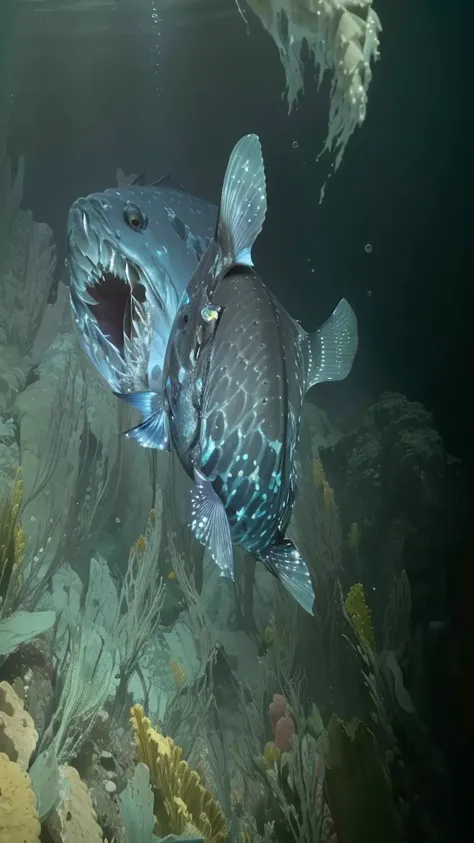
235, 417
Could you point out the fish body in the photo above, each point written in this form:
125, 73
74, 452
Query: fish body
131, 253
237, 368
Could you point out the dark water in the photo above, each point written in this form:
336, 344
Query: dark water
155, 87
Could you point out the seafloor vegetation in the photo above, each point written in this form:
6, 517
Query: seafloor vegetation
143, 698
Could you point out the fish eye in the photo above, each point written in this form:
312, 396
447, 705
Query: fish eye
135, 218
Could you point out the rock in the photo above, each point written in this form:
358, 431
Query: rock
392, 476
107, 760
74, 820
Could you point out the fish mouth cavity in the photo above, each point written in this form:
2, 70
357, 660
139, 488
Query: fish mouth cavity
113, 287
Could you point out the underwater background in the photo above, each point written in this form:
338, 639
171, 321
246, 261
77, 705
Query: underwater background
141, 694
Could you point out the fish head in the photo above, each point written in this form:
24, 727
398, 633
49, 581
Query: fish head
128, 270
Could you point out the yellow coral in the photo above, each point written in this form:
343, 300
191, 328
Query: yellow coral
19, 821
271, 755
140, 544
178, 673
360, 615
269, 635
182, 804
18, 736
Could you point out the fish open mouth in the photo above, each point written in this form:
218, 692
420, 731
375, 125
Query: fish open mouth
114, 291
116, 301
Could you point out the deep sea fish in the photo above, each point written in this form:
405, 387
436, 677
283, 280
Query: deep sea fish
236, 371
131, 253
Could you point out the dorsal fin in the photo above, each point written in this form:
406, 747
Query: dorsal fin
130, 180
139, 179
243, 203
168, 181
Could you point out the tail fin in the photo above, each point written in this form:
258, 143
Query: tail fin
332, 349
285, 562
243, 203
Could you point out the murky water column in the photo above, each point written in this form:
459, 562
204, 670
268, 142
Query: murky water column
156, 21
6, 51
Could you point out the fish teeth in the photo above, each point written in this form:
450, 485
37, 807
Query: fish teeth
106, 252
112, 262
119, 265
87, 298
132, 274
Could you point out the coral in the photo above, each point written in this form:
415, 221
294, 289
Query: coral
45, 780
18, 736
271, 755
21, 627
359, 614
284, 732
140, 602
136, 806
178, 673
283, 727
342, 39
74, 819
19, 821
182, 804
277, 709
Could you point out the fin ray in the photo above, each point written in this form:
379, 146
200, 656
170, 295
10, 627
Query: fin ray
146, 402
285, 562
154, 431
168, 181
332, 349
210, 525
243, 203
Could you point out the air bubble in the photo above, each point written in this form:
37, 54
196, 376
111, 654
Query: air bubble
368, 248
295, 144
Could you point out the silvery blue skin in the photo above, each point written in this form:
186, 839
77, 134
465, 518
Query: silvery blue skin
236, 371
131, 253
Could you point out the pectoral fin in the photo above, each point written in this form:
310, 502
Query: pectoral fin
210, 525
154, 431
332, 349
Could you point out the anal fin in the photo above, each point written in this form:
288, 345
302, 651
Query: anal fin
285, 562
331, 349
210, 525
